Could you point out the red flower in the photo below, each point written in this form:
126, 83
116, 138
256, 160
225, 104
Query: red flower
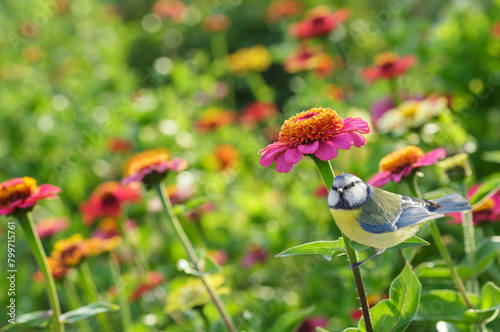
389, 65
151, 166
279, 9
217, 22
256, 112
107, 200
23, 193
489, 211
218, 256
321, 192
170, 9
495, 31
119, 145
153, 279
50, 226
402, 162
254, 254
320, 21
319, 131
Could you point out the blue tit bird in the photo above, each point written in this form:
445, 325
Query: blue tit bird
381, 219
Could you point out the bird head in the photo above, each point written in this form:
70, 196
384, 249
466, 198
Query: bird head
348, 192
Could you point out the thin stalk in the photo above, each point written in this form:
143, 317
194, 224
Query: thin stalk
259, 87
204, 317
167, 205
218, 43
393, 84
35, 244
470, 242
139, 259
125, 313
444, 252
75, 303
327, 174
90, 291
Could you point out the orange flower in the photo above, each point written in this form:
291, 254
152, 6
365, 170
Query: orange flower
23, 193
119, 145
226, 155
71, 251
172, 9
151, 166
308, 58
217, 22
58, 270
214, 118
279, 9
97, 246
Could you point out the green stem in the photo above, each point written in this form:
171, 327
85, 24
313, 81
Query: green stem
167, 205
75, 303
259, 87
444, 253
206, 322
470, 243
218, 42
395, 91
327, 174
125, 312
90, 291
35, 244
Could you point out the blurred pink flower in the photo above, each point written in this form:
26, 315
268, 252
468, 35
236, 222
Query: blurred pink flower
319, 131
309, 58
389, 65
172, 9
23, 193
256, 112
310, 324
50, 226
319, 21
402, 162
119, 145
107, 200
489, 211
254, 254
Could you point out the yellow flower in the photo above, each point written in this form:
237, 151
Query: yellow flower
193, 293
70, 252
256, 58
97, 246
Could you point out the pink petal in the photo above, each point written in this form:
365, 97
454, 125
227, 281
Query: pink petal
430, 158
359, 140
406, 170
309, 148
293, 155
396, 177
326, 151
355, 124
379, 179
343, 141
282, 166
269, 153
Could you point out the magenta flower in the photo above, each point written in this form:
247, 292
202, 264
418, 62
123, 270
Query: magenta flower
23, 193
255, 254
402, 162
310, 324
50, 226
489, 211
320, 132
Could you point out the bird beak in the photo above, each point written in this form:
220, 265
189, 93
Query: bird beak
340, 190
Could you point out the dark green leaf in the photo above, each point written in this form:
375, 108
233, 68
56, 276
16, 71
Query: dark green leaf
444, 304
87, 311
35, 319
396, 313
326, 249
289, 320
412, 242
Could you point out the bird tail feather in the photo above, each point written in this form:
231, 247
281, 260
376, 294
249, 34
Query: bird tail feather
452, 203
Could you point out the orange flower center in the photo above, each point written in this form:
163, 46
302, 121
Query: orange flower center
488, 205
145, 159
15, 189
386, 59
309, 126
400, 158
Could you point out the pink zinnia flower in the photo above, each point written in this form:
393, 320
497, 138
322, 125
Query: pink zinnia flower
308, 58
107, 200
389, 65
23, 193
489, 211
320, 21
151, 166
50, 226
255, 254
320, 132
256, 112
402, 162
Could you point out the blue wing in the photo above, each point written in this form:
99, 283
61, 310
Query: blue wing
386, 212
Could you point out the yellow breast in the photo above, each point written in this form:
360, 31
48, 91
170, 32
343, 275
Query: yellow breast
346, 220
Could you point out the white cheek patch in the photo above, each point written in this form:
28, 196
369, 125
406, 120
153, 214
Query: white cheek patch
333, 198
356, 195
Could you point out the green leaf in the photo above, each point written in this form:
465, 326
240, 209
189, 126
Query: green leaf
412, 242
396, 313
485, 191
444, 304
490, 305
320, 329
439, 270
87, 311
351, 329
486, 252
289, 320
492, 156
326, 249
35, 319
